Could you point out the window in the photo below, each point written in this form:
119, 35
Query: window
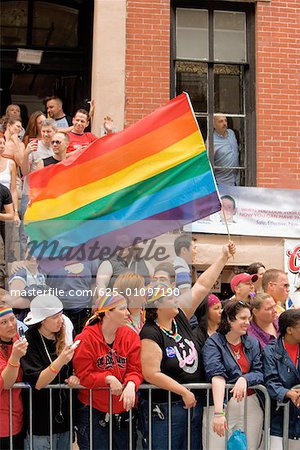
213, 60
39, 23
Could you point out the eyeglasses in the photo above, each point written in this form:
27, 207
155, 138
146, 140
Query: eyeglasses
55, 142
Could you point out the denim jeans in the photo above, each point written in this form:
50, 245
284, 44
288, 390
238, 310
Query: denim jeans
179, 417
60, 441
120, 432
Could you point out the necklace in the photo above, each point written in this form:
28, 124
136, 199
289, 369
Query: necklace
236, 351
173, 335
59, 417
136, 325
237, 355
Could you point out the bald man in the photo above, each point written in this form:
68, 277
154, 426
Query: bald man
226, 152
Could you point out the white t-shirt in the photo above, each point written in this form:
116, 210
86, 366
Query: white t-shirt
34, 157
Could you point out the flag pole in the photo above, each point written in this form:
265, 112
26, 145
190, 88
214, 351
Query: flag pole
226, 223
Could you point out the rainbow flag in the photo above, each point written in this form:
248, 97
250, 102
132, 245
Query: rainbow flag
152, 177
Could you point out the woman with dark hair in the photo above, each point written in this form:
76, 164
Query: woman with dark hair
282, 373
257, 268
231, 356
48, 361
264, 323
12, 349
208, 316
109, 357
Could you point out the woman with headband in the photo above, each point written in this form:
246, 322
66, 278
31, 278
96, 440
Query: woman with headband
108, 357
170, 356
208, 316
12, 349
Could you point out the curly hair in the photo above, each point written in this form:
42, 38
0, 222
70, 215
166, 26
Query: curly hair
289, 318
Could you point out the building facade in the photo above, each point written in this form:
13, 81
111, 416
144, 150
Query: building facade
240, 58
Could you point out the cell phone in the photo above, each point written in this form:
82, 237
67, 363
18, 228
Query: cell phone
21, 333
75, 344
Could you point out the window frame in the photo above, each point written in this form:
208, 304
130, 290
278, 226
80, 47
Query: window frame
249, 71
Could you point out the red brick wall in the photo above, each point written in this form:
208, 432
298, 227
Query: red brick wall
147, 57
278, 79
278, 93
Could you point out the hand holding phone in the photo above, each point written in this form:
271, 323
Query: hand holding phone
75, 344
21, 333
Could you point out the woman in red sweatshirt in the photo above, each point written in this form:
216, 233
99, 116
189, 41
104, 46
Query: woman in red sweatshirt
108, 357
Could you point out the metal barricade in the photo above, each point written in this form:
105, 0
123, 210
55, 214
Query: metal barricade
286, 414
195, 387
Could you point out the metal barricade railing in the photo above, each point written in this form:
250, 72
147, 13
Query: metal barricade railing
195, 387
286, 420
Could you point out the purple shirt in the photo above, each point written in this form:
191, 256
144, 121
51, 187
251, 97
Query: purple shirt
262, 337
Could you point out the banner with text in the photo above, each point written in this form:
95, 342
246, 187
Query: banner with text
254, 211
292, 267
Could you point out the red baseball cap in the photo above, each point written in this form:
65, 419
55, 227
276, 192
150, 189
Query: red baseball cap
241, 278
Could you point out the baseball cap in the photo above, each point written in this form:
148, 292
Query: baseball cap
241, 278
41, 307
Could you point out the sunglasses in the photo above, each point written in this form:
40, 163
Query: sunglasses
55, 142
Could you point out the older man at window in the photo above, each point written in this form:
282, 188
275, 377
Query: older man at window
226, 152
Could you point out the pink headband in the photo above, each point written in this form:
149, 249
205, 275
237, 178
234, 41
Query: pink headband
212, 300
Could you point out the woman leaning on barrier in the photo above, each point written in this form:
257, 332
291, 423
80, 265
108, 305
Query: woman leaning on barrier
12, 349
108, 357
282, 373
48, 362
230, 356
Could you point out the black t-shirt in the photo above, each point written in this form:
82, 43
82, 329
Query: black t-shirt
50, 160
180, 360
33, 363
5, 197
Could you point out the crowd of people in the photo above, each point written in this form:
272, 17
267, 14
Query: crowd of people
112, 325
152, 328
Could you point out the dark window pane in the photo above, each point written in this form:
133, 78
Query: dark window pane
202, 122
191, 77
13, 22
228, 85
54, 25
31, 89
229, 36
191, 33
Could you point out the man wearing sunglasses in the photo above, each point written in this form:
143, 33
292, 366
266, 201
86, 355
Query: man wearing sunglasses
275, 282
59, 144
